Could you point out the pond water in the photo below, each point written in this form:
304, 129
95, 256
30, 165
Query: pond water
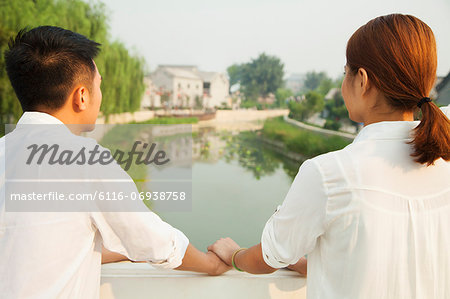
238, 181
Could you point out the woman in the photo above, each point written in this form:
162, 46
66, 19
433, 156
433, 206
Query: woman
374, 217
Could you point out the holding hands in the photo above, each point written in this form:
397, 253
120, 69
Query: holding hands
250, 260
224, 248
218, 266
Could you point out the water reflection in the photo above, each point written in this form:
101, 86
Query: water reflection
246, 148
205, 145
237, 182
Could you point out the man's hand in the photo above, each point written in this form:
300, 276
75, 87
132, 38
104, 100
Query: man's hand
217, 265
195, 260
300, 267
224, 248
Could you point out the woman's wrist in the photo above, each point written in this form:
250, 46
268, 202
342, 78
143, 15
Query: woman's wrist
233, 259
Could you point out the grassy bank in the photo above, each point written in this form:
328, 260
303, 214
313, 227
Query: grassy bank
301, 141
169, 121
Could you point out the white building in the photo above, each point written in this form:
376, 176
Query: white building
152, 96
186, 86
215, 89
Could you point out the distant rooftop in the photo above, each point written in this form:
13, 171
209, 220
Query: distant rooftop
179, 66
207, 76
182, 72
188, 71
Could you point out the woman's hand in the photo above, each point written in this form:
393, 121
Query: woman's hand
209, 262
224, 248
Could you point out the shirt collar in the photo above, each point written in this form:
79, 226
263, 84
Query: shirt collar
387, 130
34, 117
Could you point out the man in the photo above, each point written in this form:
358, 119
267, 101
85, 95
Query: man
58, 255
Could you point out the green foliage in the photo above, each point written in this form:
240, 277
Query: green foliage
198, 102
314, 101
282, 94
313, 80
302, 110
259, 77
297, 110
336, 113
316, 87
336, 109
324, 86
234, 73
320, 82
122, 71
301, 141
332, 125
251, 104
251, 155
123, 79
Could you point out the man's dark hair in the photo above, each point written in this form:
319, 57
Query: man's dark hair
45, 63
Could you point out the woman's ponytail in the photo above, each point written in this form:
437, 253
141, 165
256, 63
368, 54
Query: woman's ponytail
432, 136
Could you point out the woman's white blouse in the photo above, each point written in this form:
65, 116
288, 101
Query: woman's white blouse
374, 223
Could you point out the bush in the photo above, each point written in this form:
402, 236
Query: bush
251, 104
301, 141
312, 103
332, 125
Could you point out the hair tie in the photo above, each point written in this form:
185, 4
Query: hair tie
423, 100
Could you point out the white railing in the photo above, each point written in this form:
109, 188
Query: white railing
140, 280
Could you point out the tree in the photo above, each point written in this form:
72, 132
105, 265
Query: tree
313, 80
325, 85
282, 94
312, 103
234, 73
336, 108
123, 72
259, 77
262, 75
336, 113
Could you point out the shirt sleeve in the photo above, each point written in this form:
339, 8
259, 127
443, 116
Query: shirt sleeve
142, 236
293, 229
135, 231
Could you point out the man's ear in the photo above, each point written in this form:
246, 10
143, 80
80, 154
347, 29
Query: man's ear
80, 99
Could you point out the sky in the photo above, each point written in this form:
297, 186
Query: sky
305, 34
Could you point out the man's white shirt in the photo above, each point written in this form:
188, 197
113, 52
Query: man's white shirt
58, 254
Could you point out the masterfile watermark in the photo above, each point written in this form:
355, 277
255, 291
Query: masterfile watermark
123, 168
107, 196
103, 157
